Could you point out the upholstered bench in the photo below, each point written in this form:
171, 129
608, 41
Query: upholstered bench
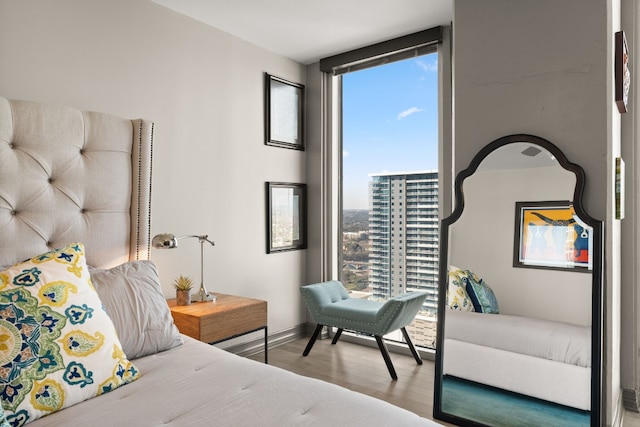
330, 305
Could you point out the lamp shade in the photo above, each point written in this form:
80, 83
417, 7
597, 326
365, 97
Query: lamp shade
164, 241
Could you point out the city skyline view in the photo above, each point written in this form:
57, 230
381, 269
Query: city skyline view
390, 123
392, 248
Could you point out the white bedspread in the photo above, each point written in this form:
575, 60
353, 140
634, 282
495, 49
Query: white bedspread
562, 342
200, 385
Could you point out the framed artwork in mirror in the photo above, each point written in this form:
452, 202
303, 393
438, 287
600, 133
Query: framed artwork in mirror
551, 235
284, 113
286, 216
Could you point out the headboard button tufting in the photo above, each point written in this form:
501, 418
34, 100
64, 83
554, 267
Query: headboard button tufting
115, 178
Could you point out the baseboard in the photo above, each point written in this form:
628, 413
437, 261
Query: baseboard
310, 329
630, 400
394, 347
256, 345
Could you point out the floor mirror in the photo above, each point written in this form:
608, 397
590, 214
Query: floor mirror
520, 292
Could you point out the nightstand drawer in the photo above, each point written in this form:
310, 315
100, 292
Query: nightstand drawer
225, 318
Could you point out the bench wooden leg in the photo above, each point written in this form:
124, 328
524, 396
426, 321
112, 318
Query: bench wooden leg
385, 355
336, 337
416, 355
313, 339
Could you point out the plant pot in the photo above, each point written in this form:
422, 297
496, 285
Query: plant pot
183, 297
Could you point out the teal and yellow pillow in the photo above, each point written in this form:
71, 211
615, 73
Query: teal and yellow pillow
58, 346
3, 419
457, 297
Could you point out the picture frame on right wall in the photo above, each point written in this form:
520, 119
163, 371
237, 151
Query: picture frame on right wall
619, 187
622, 72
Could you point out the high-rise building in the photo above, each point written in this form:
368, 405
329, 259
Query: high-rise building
403, 235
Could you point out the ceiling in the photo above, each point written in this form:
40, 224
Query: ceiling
307, 30
519, 155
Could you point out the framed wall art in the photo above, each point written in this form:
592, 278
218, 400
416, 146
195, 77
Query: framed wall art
619, 188
550, 235
622, 72
286, 216
284, 108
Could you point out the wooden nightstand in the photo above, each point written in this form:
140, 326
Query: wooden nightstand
228, 317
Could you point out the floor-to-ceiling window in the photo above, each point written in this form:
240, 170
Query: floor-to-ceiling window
389, 179
385, 136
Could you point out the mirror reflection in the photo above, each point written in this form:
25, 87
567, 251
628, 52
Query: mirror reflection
517, 324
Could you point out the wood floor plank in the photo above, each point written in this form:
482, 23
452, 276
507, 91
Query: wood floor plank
362, 369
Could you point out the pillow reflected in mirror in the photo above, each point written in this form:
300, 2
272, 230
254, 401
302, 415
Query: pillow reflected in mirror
457, 296
481, 295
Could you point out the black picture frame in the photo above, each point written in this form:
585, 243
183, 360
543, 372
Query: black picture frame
550, 235
284, 113
286, 216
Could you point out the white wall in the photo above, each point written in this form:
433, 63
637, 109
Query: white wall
630, 295
317, 252
544, 67
482, 240
204, 90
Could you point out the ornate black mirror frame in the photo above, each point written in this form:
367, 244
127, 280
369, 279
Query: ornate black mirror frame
597, 274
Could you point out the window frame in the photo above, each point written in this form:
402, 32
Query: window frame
331, 70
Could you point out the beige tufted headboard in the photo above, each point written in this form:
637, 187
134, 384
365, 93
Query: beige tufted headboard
73, 176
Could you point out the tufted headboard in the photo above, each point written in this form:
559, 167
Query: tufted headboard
73, 176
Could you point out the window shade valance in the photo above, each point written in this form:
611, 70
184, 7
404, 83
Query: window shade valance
397, 49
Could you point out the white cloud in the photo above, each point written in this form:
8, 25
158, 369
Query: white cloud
345, 153
408, 112
429, 67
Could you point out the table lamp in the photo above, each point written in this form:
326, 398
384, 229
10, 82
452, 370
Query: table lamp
170, 241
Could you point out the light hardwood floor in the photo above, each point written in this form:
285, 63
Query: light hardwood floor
631, 419
362, 369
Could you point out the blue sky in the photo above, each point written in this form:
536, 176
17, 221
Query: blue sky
390, 123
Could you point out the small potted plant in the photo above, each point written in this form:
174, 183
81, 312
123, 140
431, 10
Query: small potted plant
183, 285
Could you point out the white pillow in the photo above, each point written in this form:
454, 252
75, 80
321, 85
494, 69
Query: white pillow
132, 297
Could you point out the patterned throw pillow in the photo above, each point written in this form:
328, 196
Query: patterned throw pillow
482, 296
3, 419
457, 297
58, 346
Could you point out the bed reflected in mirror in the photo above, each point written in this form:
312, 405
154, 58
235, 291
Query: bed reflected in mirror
520, 263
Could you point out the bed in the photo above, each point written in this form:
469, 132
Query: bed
544, 359
86, 336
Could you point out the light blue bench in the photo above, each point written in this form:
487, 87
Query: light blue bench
330, 305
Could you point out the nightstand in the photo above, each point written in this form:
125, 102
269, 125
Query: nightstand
228, 317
